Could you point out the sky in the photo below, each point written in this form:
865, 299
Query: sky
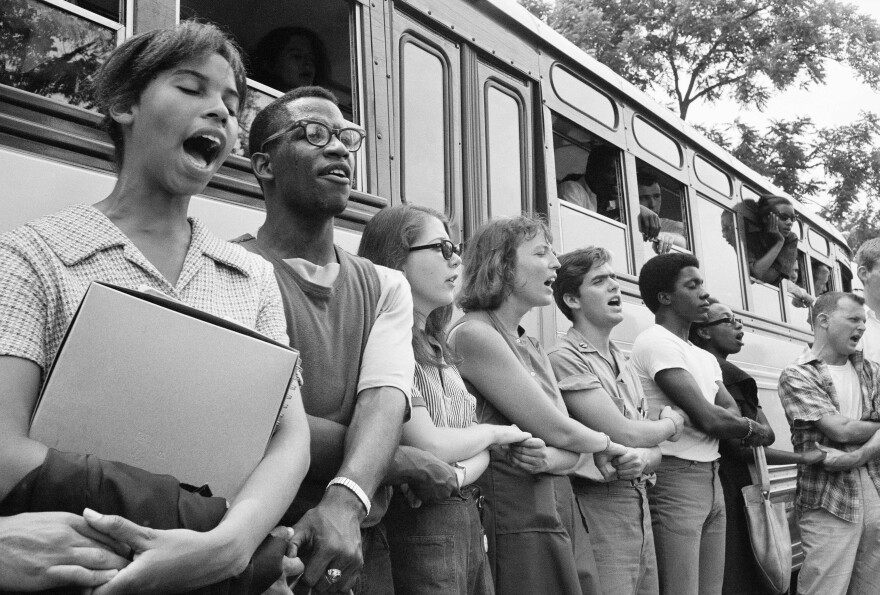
836, 102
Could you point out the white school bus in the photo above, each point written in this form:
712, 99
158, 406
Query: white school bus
472, 107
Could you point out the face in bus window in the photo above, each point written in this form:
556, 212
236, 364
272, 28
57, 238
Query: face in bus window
785, 216
651, 197
182, 127
313, 180
821, 275
295, 66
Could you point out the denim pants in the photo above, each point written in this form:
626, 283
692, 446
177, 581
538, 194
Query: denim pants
619, 522
689, 522
437, 549
839, 556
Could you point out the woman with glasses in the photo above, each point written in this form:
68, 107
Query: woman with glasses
537, 540
722, 335
772, 250
436, 548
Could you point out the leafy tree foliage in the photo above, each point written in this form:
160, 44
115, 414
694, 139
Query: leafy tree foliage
694, 50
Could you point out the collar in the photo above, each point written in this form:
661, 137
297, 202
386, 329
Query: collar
81, 231
809, 358
581, 344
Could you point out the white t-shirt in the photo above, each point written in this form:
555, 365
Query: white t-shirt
848, 389
871, 338
657, 349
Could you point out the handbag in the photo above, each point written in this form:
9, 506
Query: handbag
768, 528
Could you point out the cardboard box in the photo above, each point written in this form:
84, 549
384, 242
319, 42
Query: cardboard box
150, 382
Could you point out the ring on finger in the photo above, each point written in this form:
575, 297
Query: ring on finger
333, 575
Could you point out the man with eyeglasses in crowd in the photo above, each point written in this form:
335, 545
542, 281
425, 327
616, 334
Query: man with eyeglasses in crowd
352, 322
687, 503
831, 396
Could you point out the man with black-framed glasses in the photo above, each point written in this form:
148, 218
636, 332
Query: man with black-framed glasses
352, 322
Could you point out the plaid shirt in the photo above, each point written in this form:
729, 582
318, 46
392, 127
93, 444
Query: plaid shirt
47, 265
808, 394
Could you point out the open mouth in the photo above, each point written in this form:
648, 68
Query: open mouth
739, 336
615, 301
340, 172
203, 148
549, 282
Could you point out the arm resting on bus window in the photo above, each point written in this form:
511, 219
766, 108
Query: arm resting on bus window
762, 264
838, 460
844, 430
681, 388
594, 408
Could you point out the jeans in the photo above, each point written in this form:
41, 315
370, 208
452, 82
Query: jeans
437, 549
620, 531
839, 556
689, 522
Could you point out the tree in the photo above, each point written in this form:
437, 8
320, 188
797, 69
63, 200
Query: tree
693, 50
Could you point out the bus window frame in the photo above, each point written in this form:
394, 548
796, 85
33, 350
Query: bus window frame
121, 26
615, 107
492, 81
703, 187
697, 245
631, 130
422, 40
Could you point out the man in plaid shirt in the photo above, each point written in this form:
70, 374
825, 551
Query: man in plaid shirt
831, 396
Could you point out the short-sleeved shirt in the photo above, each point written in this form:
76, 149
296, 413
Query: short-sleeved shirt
578, 365
808, 394
47, 265
577, 192
657, 349
443, 393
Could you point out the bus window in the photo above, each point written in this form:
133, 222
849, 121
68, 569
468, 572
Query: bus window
587, 169
821, 277
712, 177
846, 278
504, 150
288, 44
424, 120
665, 197
797, 298
55, 49
818, 242
720, 260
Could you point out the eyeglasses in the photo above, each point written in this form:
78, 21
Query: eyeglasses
318, 134
731, 320
787, 217
447, 248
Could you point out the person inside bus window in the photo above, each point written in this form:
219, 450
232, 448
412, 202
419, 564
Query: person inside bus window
597, 190
415, 240
722, 335
772, 249
291, 57
537, 541
651, 197
821, 277
169, 99
800, 298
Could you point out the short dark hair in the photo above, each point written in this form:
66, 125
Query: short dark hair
268, 50
660, 274
489, 260
601, 158
132, 66
274, 116
828, 302
573, 267
646, 178
386, 241
868, 254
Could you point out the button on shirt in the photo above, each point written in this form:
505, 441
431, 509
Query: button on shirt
47, 265
578, 366
808, 394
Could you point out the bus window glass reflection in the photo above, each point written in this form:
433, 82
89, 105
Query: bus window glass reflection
722, 270
288, 43
504, 152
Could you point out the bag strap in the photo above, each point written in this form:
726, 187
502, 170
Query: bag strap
761, 468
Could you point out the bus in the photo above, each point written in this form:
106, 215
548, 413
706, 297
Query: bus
472, 107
